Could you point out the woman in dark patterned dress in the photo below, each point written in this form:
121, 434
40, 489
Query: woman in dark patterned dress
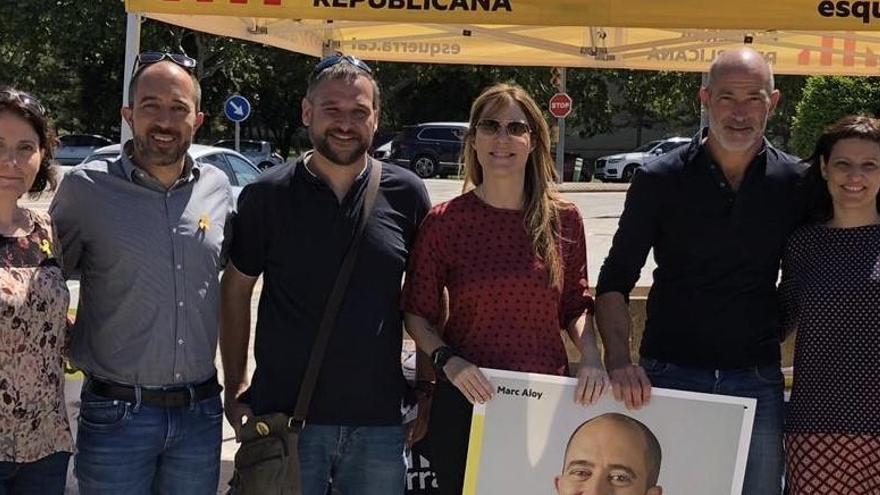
512, 255
35, 441
830, 295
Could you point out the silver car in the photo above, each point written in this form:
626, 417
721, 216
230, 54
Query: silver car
258, 152
238, 169
74, 148
622, 166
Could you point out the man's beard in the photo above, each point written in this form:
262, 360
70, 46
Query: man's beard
735, 143
353, 157
150, 156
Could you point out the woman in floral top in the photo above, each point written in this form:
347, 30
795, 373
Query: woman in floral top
35, 441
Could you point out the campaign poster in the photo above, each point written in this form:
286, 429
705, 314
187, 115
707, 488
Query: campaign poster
531, 439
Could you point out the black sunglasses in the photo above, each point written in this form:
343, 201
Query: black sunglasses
25, 99
337, 59
147, 58
492, 127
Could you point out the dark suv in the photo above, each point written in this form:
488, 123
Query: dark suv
429, 149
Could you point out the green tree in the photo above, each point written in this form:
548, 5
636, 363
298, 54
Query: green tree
275, 82
647, 98
826, 99
593, 111
791, 89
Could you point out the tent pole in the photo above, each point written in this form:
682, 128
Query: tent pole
704, 117
560, 143
132, 47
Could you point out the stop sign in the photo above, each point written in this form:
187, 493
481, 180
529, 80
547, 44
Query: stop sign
560, 105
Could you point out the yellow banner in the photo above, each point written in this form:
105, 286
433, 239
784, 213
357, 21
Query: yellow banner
822, 15
789, 52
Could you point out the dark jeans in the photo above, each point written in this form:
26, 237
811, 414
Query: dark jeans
45, 476
360, 460
136, 449
766, 460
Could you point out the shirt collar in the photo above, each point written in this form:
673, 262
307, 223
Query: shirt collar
192, 170
696, 147
306, 157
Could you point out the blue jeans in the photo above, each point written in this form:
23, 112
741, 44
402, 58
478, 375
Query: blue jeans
361, 460
136, 449
764, 468
45, 476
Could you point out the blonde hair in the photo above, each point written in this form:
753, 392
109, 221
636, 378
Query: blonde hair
542, 201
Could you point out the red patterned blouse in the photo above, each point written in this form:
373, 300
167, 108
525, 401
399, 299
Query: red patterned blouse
502, 312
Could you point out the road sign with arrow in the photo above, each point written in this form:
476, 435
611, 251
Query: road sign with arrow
237, 108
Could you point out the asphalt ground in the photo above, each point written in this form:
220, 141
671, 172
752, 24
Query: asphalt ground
600, 205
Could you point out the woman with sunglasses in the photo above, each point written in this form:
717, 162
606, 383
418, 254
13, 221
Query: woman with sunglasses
35, 441
830, 296
511, 253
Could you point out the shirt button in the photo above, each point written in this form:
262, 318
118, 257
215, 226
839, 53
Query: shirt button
180, 342
180, 303
174, 230
177, 376
178, 267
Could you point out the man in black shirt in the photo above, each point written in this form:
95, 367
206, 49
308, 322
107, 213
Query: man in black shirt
293, 227
717, 213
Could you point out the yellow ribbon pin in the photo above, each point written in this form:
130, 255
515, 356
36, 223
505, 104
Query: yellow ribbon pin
204, 223
46, 247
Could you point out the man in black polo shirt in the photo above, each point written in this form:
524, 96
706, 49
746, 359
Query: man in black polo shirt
294, 226
717, 213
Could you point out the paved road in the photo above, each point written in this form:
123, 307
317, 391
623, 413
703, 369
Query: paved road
600, 210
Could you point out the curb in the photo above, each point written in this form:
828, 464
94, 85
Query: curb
581, 187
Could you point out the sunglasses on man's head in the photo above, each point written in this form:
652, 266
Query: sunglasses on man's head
492, 127
25, 99
147, 58
337, 59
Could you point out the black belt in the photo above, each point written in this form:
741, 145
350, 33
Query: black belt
161, 397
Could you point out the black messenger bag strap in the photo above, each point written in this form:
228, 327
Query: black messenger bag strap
328, 320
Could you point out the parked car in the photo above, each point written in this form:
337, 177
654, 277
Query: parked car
429, 149
259, 152
622, 166
74, 148
236, 166
382, 152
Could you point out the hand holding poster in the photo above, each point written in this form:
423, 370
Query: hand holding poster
533, 439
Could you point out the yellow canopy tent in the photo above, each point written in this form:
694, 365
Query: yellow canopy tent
796, 36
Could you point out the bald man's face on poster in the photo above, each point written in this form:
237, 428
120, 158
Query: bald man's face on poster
533, 439
610, 455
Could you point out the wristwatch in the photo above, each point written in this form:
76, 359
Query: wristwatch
440, 357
